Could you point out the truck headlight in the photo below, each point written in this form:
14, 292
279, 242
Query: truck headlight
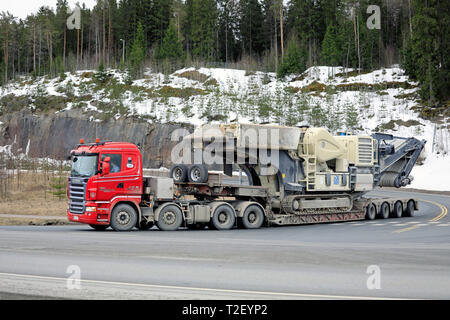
91, 209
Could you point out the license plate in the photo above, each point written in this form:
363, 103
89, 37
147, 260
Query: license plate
75, 217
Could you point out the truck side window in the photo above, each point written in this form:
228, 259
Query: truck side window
116, 161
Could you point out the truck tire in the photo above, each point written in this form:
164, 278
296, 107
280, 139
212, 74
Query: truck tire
223, 217
371, 212
123, 217
253, 217
409, 212
384, 211
398, 210
170, 218
198, 173
179, 172
99, 227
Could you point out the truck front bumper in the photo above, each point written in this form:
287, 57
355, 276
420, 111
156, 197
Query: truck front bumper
89, 217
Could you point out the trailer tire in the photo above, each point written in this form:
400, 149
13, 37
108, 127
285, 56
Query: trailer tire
198, 173
223, 217
123, 217
179, 172
398, 210
384, 211
371, 212
409, 209
253, 217
99, 227
170, 218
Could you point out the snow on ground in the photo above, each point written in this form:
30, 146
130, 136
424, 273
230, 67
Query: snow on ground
241, 96
434, 174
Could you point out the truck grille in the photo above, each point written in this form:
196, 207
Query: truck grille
365, 150
77, 192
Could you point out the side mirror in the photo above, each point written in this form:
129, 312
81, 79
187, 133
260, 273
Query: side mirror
105, 166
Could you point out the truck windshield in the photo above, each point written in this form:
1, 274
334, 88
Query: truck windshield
84, 166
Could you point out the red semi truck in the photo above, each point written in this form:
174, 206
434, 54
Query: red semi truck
107, 188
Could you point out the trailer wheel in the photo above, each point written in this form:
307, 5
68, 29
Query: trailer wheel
99, 227
223, 217
384, 211
371, 212
409, 209
253, 217
398, 210
123, 217
178, 173
198, 173
170, 218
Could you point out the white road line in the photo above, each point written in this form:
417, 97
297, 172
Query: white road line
443, 225
155, 286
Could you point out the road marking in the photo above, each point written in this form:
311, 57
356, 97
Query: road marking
157, 286
443, 211
407, 229
418, 224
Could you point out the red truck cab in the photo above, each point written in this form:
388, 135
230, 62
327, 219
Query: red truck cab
104, 175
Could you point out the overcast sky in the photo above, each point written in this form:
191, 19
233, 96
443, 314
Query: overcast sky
21, 8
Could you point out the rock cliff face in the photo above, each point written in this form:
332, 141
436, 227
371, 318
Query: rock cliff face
54, 135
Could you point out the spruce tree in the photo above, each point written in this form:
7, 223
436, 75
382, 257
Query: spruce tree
331, 47
171, 48
137, 54
294, 61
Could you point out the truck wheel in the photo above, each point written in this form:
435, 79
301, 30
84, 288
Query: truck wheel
223, 217
178, 173
371, 212
384, 211
99, 227
198, 173
123, 218
398, 210
253, 217
170, 218
409, 209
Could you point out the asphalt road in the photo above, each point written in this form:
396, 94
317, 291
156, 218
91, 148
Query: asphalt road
322, 261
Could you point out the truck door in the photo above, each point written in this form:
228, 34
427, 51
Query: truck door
132, 182
111, 185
